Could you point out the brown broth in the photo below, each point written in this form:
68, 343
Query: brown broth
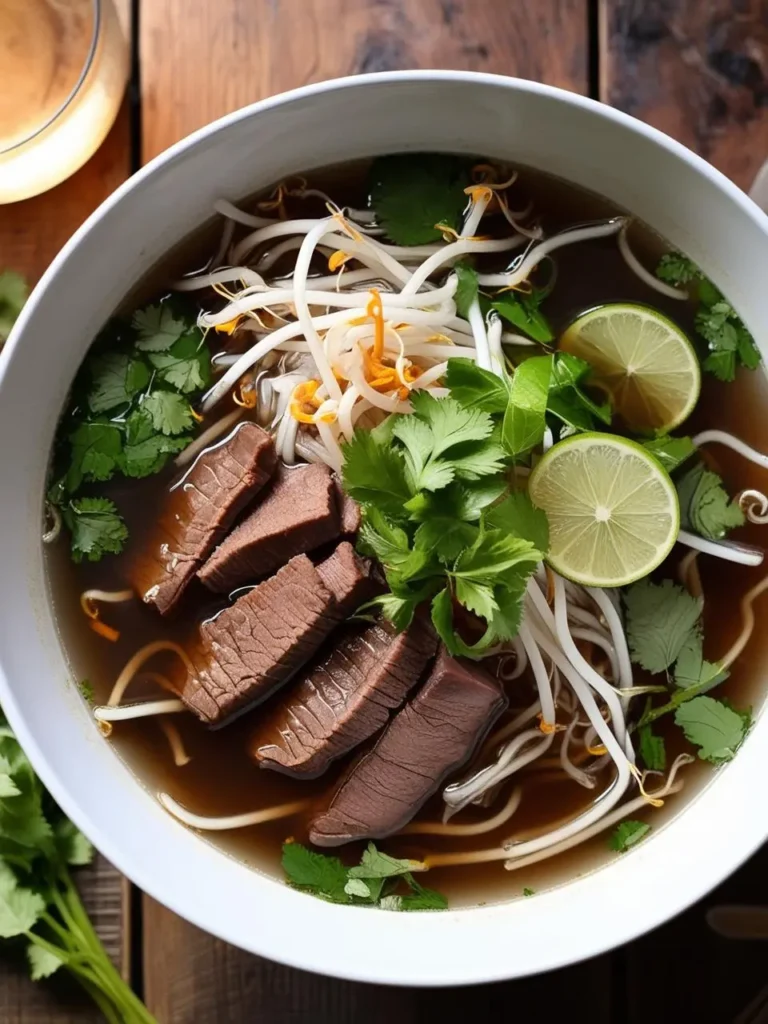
221, 779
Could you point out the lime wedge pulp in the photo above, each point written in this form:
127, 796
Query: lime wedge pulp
644, 361
612, 509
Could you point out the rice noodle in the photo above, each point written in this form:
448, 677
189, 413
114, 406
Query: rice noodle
435, 828
743, 554
734, 443
139, 658
232, 821
143, 709
207, 437
523, 267
229, 210
175, 742
646, 276
748, 623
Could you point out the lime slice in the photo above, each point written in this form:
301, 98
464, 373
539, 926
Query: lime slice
644, 361
612, 509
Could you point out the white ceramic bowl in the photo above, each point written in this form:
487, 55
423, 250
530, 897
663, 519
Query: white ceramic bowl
694, 206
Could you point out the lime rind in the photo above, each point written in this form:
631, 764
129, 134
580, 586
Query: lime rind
612, 509
664, 380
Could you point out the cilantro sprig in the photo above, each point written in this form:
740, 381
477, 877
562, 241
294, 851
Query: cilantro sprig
411, 193
430, 485
39, 904
129, 413
378, 880
665, 635
722, 330
626, 834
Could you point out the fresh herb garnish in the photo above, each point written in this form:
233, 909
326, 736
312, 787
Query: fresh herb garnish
664, 628
627, 834
427, 485
525, 417
467, 290
729, 342
568, 401
524, 313
705, 506
85, 686
671, 452
714, 727
529, 892
130, 413
378, 880
412, 193
13, 294
38, 900
96, 528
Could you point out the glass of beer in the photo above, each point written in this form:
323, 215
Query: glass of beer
63, 69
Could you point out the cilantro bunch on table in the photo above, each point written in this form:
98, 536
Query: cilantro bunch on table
439, 512
39, 904
130, 412
378, 880
720, 328
666, 637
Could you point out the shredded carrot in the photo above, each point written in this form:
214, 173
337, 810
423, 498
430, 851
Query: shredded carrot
104, 630
479, 192
375, 310
229, 327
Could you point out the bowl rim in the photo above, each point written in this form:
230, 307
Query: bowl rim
672, 878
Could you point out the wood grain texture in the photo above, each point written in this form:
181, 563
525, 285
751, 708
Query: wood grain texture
31, 233
200, 60
697, 69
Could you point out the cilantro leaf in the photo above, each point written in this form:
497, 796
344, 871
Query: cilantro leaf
398, 609
375, 864
186, 366
95, 452
475, 388
20, 909
713, 727
674, 268
422, 898
705, 506
13, 294
374, 473
671, 451
529, 892
96, 528
692, 670
157, 328
7, 786
652, 749
518, 516
477, 597
317, 873
170, 413
492, 555
660, 619
115, 379
467, 288
445, 537
411, 193
451, 424
148, 457
722, 365
382, 538
523, 312
567, 400
85, 686
484, 461
42, 962
627, 834
524, 419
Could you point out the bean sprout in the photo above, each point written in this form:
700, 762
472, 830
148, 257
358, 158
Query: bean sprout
233, 821
646, 276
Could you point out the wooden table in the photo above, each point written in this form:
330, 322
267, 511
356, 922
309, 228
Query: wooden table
695, 68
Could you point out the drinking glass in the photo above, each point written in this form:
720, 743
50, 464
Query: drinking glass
63, 69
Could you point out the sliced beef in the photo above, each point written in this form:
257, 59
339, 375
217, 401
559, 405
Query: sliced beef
300, 513
198, 512
349, 511
251, 648
432, 737
344, 699
349, 578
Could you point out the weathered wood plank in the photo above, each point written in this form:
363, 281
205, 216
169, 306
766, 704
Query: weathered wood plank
198, 61
31, 233
697, 69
